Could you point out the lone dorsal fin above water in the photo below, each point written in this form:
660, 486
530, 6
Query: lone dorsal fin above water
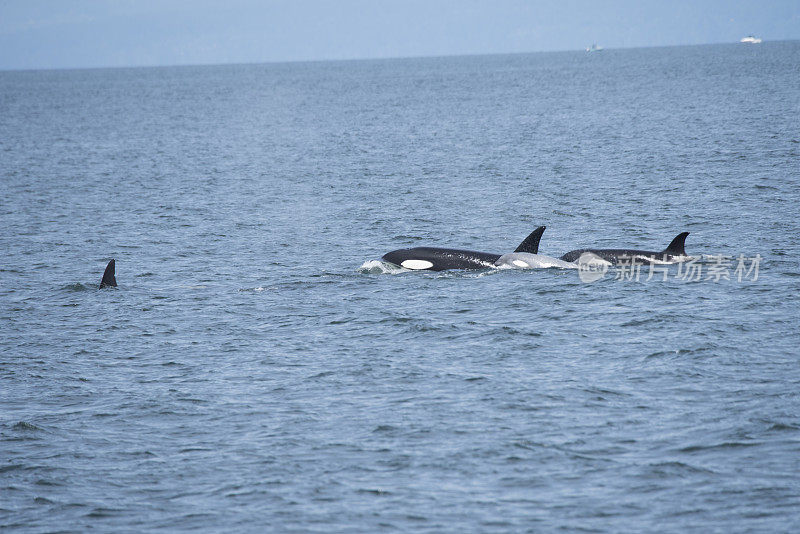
531, 243
108, 276
676, 247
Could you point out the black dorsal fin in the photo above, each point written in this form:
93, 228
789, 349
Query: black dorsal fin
531, 243
676, 247
108, 276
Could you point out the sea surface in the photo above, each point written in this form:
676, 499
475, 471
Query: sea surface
258, 369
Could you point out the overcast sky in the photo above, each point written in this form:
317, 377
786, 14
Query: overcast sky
93, 33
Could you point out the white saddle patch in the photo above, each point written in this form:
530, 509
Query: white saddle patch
526, 260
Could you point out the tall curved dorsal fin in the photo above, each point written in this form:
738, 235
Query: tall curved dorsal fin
531, 243
108, 276
675, 248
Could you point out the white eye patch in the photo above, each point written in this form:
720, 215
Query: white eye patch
416, 265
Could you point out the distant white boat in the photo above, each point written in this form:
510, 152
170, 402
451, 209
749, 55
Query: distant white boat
594, 48
750, 39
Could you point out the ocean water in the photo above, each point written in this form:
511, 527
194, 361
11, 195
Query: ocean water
258, 369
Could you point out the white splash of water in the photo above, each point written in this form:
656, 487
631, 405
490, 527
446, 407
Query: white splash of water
380, 267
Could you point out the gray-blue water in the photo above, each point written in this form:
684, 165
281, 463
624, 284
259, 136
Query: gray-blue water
257, 370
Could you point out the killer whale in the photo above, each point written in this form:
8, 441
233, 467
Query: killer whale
440, 259
531, 260
108, 276
674, 252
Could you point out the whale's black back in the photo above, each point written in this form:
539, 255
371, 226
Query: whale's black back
615, 255
443, 258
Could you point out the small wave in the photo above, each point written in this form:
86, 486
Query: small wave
644, 321
25, 426
407, 238
674, 468
719, 446
11, 467
380, 267
256, 289
75, 287
103, 512
563, 213
663, 353
782, 427
373, 491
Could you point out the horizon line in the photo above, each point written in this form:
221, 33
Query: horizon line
374, 58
